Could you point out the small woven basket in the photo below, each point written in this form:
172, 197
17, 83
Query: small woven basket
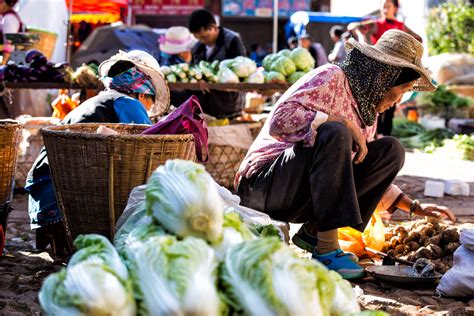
93, 174
224, 161
10, 137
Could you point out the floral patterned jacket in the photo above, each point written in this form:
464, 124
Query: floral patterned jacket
297, 115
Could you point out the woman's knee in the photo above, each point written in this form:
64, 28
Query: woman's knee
336, 132
394, 150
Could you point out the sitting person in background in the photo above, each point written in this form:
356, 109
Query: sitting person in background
11, 24
175, 46
316, 160
133, 85
317, 50
338, 53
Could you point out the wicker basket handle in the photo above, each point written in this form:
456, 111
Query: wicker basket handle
112, 218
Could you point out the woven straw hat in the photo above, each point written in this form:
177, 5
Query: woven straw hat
147, 64
178, 39
397, 48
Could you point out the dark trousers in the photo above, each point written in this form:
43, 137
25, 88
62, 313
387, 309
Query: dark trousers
321, 184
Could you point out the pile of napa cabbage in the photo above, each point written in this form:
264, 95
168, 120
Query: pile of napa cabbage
181, 253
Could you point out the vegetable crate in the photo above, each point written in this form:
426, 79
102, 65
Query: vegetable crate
10, 136
224, 160
93, 174
30, 145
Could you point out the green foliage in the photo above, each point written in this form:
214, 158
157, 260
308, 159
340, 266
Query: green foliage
405, 128
443, 101
450, 28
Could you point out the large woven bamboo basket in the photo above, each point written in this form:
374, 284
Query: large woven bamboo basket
224, 161
93, 174
10, 137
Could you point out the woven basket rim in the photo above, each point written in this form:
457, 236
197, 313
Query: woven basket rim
10, 124
60, 131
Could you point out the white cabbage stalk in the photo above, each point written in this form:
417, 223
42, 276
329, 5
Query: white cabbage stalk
345, 300
175, 277
184, 199
265, 277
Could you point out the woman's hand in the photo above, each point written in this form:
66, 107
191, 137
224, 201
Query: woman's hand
359, 140
433, 210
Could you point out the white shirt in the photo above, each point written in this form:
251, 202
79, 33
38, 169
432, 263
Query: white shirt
10, 24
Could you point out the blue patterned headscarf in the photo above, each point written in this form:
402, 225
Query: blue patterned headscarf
130, 81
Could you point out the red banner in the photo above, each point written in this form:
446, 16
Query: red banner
166, 7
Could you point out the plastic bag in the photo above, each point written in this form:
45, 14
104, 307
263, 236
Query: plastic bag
459, 281
62, 105
354, 241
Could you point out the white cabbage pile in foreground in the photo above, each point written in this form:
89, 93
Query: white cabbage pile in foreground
180, 253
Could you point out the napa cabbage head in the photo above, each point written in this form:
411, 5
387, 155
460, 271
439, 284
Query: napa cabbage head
274, 77
266, 277
302, 59
283, 65
86, 288
235, 232
226, 75
98, 249
295, 76
243, 66
184, 199
345, 300
256, 77
175, 277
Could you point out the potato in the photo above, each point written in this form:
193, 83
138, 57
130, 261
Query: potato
435, 250
423, 252
415, 235
424, 240
411, 257
388, 235
394, 241
413, 246
402, 234
398, 229
441, 267
451, 248
392, 253
386, 246
435, 240
401, 249
450, 235
427, 230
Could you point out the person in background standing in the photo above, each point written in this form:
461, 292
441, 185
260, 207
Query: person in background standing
292, 42
317, 50
216, 43
11, 23
338, 53
387, 21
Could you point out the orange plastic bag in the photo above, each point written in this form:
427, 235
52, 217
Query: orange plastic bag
373, 236
62, 105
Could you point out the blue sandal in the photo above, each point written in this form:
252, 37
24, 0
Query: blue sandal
341, 263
